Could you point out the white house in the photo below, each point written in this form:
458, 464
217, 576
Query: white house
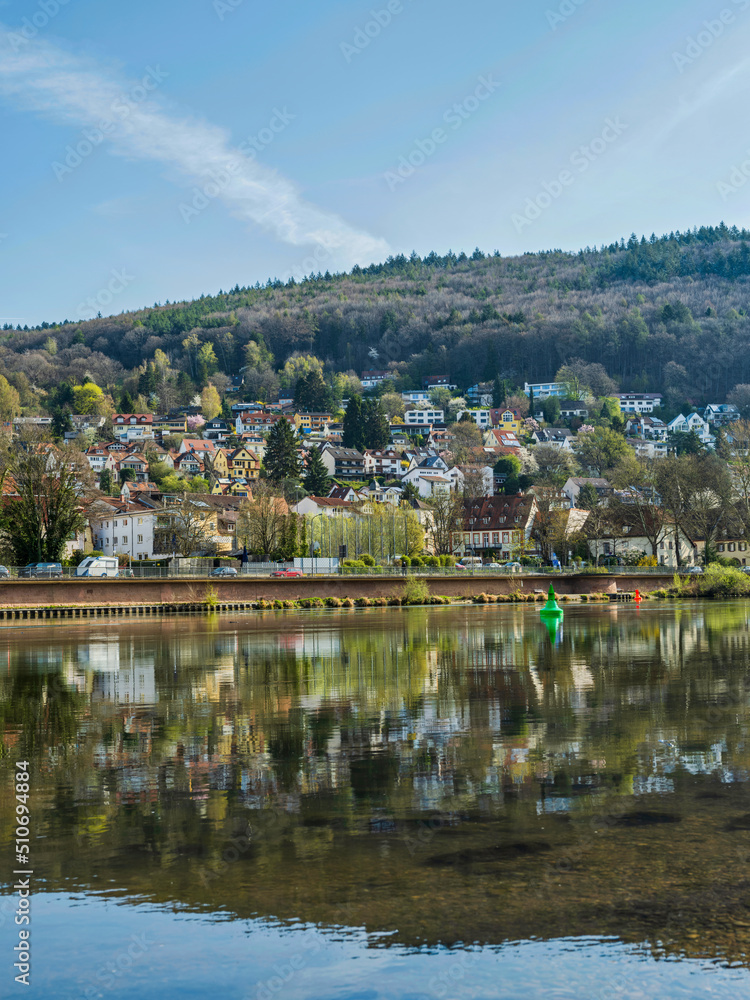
482, 418
544, 389
122, 528
638, 402
133, 426
558, 437
693, 422
428, 416
721, 413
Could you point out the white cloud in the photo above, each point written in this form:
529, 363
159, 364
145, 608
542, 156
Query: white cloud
43, 78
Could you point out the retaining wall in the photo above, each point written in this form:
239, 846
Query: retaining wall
71, 592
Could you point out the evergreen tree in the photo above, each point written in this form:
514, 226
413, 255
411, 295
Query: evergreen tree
282, 459
126, 402
316, 480
354, 433
105, 479
588, 498
312, 393
376, 427
531, 402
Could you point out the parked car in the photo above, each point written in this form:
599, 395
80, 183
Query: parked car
224, 571
695, 569
287, 572
743, 569
47, 571
4, 573
460, 566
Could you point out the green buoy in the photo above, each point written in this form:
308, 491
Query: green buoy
551, 609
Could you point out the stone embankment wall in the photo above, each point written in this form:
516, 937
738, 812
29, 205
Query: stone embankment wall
173, 590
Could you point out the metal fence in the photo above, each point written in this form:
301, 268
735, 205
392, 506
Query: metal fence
206, 569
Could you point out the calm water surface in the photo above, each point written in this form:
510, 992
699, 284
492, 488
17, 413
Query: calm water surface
384, 804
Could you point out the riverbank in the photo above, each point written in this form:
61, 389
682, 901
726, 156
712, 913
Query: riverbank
248, 591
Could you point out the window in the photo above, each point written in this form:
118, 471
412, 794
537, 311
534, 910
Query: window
115, 523
114, 540
140, 539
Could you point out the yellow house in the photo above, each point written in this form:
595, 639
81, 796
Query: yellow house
506, 419
221, 463
244, 463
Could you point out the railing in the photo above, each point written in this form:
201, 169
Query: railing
259, 570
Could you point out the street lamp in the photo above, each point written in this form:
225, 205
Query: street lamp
312, 537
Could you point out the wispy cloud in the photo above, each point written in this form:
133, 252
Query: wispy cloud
45, 79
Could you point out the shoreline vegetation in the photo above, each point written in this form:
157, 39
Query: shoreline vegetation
716, 583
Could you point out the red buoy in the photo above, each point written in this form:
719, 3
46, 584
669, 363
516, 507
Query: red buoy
637, 595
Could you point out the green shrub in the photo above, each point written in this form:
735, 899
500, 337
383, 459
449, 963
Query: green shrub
347, 602
405, 561
723, 581
431, 561
367, 559
416, 592
417, 561
333, 602
362, 602
447, 561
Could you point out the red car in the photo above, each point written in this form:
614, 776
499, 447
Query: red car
287, 572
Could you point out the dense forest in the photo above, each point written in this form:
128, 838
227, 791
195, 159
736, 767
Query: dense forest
668, 313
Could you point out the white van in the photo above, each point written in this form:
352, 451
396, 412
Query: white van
99, 566
471, 561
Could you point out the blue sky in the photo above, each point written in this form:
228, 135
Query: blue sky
165, 150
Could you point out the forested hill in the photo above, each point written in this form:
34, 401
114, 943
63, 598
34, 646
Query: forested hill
669, 313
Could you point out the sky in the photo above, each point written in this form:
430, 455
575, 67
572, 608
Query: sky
154, 152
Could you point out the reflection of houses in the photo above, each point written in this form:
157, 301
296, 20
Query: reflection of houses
130, 685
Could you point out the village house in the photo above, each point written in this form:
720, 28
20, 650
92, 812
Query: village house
497, 526
575, 484
506, 419
343, 463
383, 463
243, 463
133, 426
123, 528
638, 402
558, 437
424, 416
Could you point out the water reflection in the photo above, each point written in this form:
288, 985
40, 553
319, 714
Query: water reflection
443, 776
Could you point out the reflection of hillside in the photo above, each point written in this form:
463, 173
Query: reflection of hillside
411, 748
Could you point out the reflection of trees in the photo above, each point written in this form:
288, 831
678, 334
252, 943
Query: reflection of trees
317, 737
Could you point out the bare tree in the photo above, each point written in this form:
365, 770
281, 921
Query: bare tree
262, 520
186, 526
447, 511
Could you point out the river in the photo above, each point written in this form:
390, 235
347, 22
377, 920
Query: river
387, 803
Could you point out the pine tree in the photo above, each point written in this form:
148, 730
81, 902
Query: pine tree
377, 430
282, 459
354, 433
126, 402
316, 480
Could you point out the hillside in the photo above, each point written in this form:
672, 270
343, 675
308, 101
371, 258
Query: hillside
669, 314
